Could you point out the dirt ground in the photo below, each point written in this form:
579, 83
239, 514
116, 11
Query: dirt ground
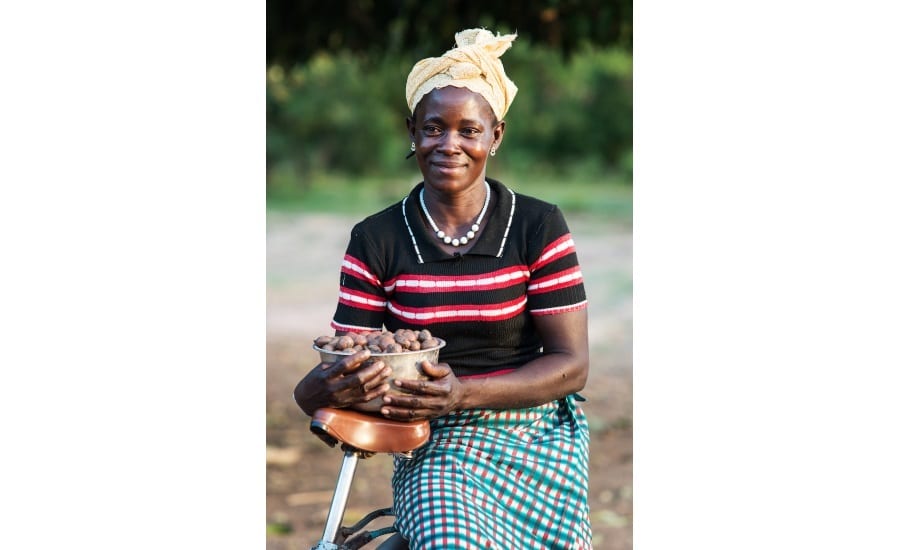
303, 258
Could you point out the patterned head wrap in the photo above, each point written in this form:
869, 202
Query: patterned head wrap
474, 64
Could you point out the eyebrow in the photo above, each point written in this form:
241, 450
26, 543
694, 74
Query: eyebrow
464, 122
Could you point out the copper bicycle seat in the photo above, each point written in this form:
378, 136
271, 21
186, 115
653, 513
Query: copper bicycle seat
367, 432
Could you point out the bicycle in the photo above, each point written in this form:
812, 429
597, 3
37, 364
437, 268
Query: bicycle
361, 436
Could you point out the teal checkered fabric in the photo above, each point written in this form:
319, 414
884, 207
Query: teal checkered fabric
502, 479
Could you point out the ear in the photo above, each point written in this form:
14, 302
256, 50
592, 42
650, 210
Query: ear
411, 127
499, 129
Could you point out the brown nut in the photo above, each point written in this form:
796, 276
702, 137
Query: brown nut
430, 343
393, 348
322, 341
344, 342
386, 340
403, 340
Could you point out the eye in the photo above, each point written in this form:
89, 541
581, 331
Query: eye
470, 132
431, 130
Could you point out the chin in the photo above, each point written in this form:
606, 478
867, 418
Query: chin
451, 181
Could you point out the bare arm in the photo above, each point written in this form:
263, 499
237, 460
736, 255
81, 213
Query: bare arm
561, 370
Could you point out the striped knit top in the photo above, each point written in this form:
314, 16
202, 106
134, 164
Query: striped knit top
394, 275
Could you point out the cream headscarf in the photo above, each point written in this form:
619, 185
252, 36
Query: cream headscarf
473, 64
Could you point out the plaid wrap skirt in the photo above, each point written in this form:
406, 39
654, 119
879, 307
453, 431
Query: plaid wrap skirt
502, 479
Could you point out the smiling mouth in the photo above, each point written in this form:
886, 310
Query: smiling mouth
448, 165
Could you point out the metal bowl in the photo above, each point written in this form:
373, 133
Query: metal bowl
405, 365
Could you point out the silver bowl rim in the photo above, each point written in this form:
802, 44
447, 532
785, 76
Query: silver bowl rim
441, 344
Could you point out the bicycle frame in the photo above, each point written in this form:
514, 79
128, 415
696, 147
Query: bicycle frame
361, 435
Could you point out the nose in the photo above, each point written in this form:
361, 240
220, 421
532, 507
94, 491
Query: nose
449, 143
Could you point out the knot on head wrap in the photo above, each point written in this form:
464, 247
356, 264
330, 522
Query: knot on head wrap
474, 64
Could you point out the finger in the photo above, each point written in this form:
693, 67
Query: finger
370, 376
423, 387
401, 414
364, 379
349, 362
353, 362
347, 393
440, 370
373, 373
377, 391
405, 402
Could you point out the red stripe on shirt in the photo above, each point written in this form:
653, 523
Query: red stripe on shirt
560, 309
361, 300
566, 278
460, 312
352, 328
562, 246
355, 268
502, 278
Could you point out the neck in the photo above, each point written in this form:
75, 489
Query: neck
457, 223
455, 209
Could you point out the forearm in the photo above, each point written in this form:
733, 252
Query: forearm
307, 399
549, 377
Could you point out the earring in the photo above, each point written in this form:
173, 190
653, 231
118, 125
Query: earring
412, 146
493, 151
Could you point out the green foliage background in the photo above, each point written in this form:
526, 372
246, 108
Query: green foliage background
335, 116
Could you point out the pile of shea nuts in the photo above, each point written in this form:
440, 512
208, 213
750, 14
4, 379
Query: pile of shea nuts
398, 341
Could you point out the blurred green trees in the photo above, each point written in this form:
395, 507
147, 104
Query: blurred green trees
341, 110
298, 29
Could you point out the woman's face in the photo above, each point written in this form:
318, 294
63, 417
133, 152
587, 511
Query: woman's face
454, 130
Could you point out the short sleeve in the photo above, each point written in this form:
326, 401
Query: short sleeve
556, 284
362, 301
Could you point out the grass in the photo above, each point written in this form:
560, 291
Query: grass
606, 197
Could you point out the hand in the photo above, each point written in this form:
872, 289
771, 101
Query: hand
342, 384
428, 398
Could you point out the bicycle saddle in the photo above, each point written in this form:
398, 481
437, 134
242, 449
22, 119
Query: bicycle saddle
367, 432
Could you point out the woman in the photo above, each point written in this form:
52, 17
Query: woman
495, 274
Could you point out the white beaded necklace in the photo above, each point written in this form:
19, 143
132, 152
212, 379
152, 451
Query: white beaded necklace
475, 226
